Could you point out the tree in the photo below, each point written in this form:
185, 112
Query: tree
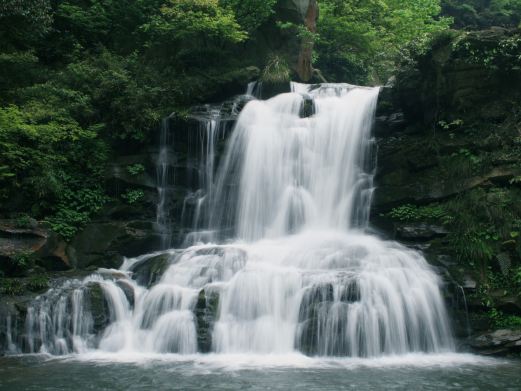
362, 40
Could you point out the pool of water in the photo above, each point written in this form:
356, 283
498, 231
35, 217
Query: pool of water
236, 372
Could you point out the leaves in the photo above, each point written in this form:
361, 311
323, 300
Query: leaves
361, 40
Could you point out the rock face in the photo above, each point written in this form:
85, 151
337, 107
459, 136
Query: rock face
34, 243
500, 342
448, 153
104, 244
149, 271
206, 312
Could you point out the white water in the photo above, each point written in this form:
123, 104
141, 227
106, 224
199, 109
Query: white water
300, 274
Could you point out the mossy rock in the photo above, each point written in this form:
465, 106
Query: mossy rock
149, 271
99, 308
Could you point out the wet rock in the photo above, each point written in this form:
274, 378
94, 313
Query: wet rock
98, 306
106, 243
419, 231
350, 292
44, 247
149, 271
315, 305
506, 301
128, 290
499, 342
206, 312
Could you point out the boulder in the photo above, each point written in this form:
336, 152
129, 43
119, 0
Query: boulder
104, 244
206, 312
38, 244
149, 271
99, 308
419, 231
499, 342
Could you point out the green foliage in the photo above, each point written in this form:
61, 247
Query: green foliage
502, 321
250, 14
23, 221
21, 261
465, 153
38, 283
188, 31
75, 209
133, 196
11, 287
479, 14
450, 125
485, 221
276, 71
17, 264
408, 212
82, 79
500, 55
136, 169
364, 40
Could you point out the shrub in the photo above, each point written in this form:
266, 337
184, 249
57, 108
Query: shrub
133, 196
136, 169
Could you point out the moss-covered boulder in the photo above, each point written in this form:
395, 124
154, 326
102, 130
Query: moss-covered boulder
149, 271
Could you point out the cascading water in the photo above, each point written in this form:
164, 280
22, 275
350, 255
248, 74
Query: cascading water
164, 184
298, 274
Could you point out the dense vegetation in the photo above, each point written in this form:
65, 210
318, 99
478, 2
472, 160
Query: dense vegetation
82, 79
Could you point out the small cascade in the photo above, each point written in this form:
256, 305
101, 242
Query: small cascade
215, 122
164, 184
291, 266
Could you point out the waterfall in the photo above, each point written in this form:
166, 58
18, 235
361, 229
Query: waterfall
164, 184
293, 269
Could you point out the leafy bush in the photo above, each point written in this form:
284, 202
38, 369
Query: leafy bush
19, 263
276, 70
136, 169
410, 212
38, 283
75, 209
133, 196
502, 321
11, 287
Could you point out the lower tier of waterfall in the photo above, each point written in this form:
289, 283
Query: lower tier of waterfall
323, 293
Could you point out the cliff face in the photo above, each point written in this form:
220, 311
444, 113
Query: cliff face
449, 172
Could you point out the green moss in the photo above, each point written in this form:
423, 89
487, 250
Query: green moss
409, 212
11, 287
38, 283
502, 321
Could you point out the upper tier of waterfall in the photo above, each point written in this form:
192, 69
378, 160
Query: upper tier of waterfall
293, 269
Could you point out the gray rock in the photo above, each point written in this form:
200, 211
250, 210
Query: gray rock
419, 231
498, 342
149, 271
206, 311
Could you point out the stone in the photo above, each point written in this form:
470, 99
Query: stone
150, 270
206, 312
104, 244
43, 246
419, 231
98, 306
128, 290
499, 342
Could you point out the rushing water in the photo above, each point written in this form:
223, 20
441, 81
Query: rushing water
294, 271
